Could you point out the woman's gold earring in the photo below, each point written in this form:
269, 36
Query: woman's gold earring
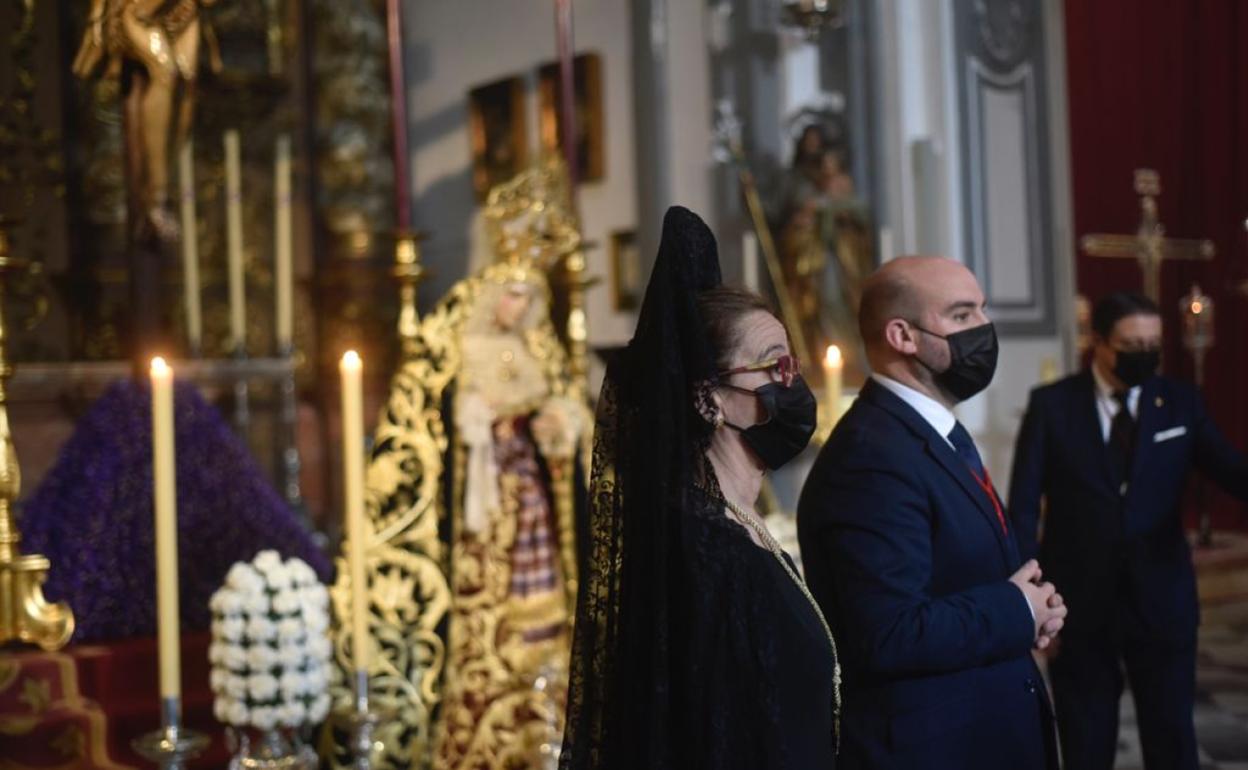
718, 422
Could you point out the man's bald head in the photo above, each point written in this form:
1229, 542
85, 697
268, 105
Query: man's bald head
901, 288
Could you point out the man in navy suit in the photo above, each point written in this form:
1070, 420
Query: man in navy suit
1108, 451
908, 549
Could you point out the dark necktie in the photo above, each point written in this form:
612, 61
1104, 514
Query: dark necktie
965, 447
1122, 437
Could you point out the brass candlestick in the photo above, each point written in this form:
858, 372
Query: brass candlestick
409, 273
25, 616
1196, 310
361, 721
576, 284
172, 746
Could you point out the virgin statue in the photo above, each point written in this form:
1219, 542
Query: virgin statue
473, 487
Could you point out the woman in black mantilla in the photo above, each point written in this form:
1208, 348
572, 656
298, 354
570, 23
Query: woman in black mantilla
696, 643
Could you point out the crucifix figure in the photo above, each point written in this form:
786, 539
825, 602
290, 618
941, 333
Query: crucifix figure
153, 46
1149, 245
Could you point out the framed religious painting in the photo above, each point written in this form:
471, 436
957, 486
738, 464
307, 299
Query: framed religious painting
627, 281
496, 129
587, 104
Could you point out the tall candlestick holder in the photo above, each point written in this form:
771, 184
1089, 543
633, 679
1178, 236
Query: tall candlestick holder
408, 272
291, 464
361, 723
172, 746
1196, 310
242, 393
25, 616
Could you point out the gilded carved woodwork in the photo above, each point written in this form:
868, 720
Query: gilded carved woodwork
446, 632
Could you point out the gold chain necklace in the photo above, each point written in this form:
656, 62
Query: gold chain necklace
771, 544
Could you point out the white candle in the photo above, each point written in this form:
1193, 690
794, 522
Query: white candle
282, 230
353, 476
886, 245
833, 370
749, 260
190, 245
164, 487
234, 242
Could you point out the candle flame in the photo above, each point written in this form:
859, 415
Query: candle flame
351, 360
833, 356
159, 367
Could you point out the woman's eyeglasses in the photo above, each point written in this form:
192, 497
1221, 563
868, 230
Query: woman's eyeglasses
787, 367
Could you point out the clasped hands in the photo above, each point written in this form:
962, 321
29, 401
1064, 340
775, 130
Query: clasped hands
1046, 603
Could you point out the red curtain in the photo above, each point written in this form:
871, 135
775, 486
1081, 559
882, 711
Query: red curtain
1164, 85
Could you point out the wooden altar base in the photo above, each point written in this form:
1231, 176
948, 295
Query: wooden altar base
81, 708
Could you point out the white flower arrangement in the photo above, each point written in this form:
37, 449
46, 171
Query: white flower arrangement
270, 650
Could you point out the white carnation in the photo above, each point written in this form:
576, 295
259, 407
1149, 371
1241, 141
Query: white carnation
290, 629
316, 595
262, 687
267, 560
319, 647
316, 620
216, 650
230, 602
278, 578
234, 657
319, 708
261, 629
262, 657
315, 679
221, 708
236, 686
293, 713
263, 718
257, 605
286, 602
232, 629
238, 715
216, 679
301, 574
291, 654
292, 684
243, 579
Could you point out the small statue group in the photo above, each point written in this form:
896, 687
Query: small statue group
825, 242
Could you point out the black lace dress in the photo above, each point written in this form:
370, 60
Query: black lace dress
756, 641
693, 648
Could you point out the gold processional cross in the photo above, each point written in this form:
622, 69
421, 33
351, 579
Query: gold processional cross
1149, 246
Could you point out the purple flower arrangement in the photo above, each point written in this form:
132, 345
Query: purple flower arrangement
93, 514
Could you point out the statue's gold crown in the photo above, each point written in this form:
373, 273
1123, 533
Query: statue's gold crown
529, 217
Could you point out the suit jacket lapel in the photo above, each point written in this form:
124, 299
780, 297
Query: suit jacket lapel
1147, 415
940, 451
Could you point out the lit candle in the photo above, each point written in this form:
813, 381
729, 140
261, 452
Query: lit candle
749, 260
190, 245
164, 484
833, 368
234, 242
353, 472
282, 255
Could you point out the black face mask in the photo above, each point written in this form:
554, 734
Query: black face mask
791, 417
972, 360
1133, 367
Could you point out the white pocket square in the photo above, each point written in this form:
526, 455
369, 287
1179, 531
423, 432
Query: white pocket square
1166, 435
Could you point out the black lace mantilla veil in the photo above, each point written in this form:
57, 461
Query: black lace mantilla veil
667, 657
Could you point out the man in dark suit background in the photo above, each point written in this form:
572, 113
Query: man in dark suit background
1108, 450
908, 550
